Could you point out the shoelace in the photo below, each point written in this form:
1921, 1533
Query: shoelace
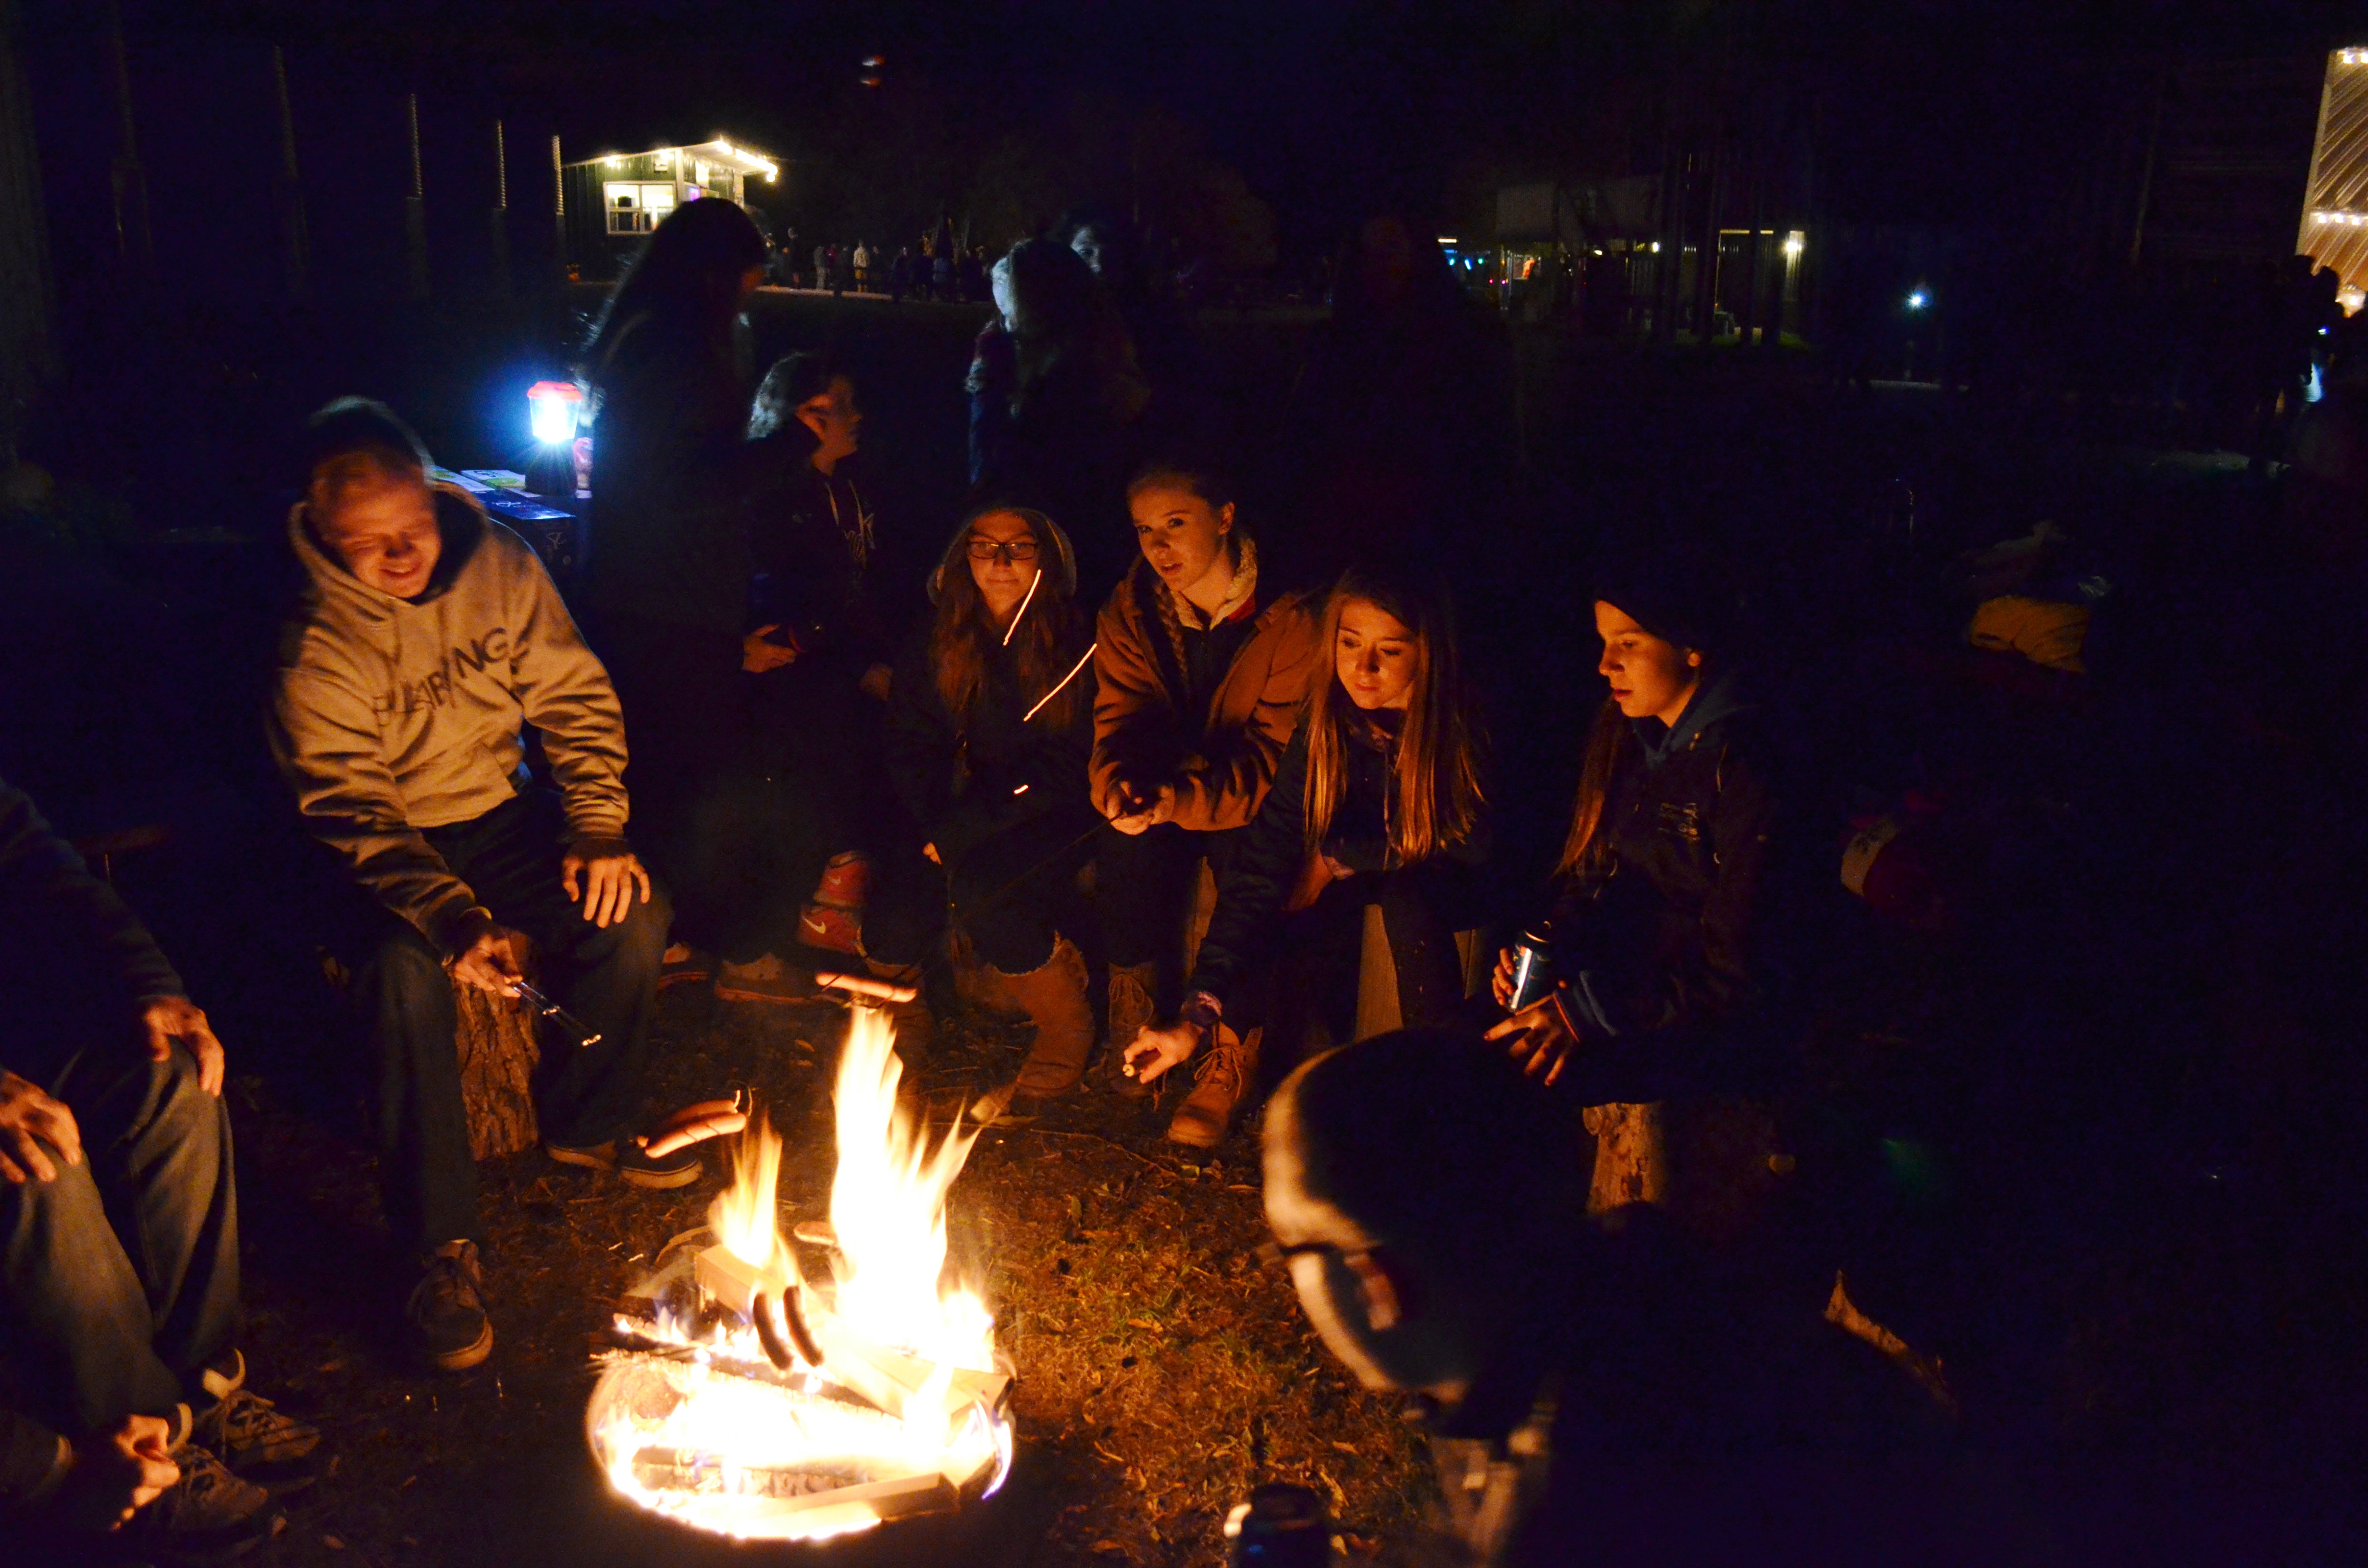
452, 1281
1222, 1066
206, 1486
248, 1421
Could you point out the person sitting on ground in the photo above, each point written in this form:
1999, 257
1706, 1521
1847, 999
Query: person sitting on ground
1597, 1391
815, 664
1660, 936
119, 1231
1376, 805
989, 728
1200, 685
426, 639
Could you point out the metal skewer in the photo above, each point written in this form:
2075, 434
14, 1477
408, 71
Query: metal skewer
558, 1014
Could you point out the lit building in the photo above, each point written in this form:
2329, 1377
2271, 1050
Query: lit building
2335, 204
615, 199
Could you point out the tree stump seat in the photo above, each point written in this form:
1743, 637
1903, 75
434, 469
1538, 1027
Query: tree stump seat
499, 1039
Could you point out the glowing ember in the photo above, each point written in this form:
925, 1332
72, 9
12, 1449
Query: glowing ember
905, 1413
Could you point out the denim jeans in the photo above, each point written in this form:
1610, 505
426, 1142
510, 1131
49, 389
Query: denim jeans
119, 1277
1010, 894
510, 858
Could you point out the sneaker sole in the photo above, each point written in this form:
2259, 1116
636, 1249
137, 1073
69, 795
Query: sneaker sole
659, 1180
463, 1359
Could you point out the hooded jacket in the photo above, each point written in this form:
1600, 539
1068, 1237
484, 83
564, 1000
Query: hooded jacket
967, 778
1664, 955
1221, 758
390, 715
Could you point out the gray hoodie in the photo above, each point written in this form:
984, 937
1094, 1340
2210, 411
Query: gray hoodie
392, 715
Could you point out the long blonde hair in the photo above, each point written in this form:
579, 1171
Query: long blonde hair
1437, 767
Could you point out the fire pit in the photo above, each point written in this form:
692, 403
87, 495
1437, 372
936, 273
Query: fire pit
744, 1398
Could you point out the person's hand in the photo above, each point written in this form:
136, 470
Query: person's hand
610, 872
30, 1118
931, 851
874, 684
1148, 812
112, 1475
1339, 869
694, 1124
759, 652
490, 961
165, 1020
1500, 983
1155, 1050
1537, 1038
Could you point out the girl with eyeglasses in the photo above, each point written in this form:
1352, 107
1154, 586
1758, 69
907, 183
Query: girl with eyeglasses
1376, 812
990, 722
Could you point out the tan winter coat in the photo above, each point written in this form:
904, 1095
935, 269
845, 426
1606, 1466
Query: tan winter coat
1222, 760
389, 716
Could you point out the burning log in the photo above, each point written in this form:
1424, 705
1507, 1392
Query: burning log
890, 1378
665, 1469
734, 1282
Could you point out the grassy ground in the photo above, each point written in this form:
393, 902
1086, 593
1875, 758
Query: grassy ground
1162, 1375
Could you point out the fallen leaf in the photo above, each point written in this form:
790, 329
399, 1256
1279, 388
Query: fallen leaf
1344, 1448
1108, 1546
333, 1543
1141, 1323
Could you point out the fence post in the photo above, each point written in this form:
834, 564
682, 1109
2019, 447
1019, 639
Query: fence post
291, 190
414, 207
501, 215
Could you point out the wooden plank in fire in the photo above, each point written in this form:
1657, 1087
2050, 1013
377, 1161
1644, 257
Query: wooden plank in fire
887, 1377
793, 1491
734, 1280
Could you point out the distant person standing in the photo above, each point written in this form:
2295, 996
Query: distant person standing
862, 268
900, 274
667, 582
841, 268
942, 268
993, 374
822, 267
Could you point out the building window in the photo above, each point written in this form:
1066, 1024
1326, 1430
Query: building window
636, 208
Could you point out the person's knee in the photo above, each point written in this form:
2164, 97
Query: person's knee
404, 967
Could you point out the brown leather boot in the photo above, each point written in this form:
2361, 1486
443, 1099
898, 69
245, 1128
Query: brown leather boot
1219, 1084
1053, 995
1132, 1003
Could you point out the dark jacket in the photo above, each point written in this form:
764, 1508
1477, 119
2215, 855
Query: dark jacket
969, 778
1266, 866
811, 541
670, 469
1664, 958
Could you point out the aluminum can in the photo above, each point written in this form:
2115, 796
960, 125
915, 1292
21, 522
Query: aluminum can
1532, 969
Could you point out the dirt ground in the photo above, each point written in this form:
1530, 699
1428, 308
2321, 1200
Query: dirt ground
1162, 1373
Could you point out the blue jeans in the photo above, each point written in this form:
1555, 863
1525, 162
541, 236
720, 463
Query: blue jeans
509, 858
119, 1277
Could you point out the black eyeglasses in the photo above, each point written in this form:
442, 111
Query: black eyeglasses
1021, 551
1271, 1254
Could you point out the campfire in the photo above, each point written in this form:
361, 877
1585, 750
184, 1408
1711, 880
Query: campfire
745, 1398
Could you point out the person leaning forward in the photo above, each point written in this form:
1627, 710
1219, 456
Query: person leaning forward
428, 638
